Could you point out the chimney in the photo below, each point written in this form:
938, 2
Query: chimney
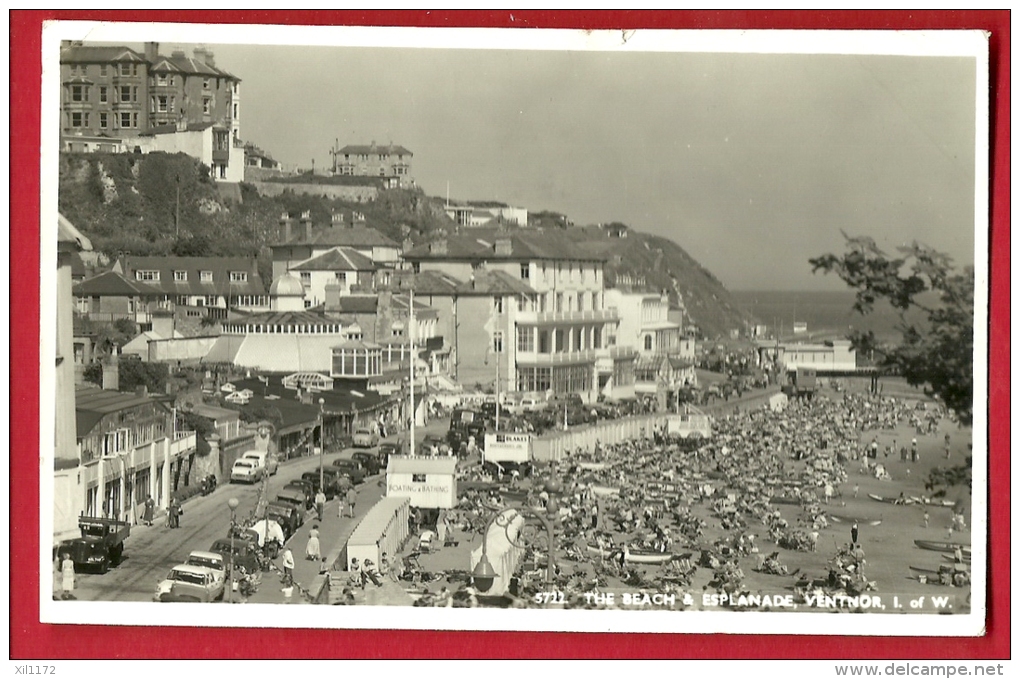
306, 221
163, 324
385, 300
504, 247
204, 55
151, 51
285, 226
336, 218
178, 54
111, 370
438, 247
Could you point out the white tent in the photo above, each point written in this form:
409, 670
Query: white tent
272, 528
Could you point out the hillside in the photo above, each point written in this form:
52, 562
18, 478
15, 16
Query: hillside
159, 203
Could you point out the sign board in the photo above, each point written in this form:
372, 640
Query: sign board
507, 447
428, 482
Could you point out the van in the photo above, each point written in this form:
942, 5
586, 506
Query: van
265, 461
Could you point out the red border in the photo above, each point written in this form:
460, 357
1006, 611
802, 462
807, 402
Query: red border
31, 640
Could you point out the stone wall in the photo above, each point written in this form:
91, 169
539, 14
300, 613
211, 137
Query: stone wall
358, 194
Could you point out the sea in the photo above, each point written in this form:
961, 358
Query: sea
828, 315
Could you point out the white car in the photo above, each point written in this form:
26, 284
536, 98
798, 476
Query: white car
265, 461
190, 583
246, 471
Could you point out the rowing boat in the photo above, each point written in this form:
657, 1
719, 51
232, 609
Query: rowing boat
938, 546
929, 501
891, 500
852, 519
644, 556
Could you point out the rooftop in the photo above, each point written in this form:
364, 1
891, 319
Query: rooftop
113, 284
519, 246
340, 258
374, 149
338, 235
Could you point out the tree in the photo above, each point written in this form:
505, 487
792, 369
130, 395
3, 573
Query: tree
936, 353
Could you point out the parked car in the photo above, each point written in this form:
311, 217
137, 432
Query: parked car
297, 497
287, 515
330, 481
245, 471
352, 469
190, 583
370, 461
306, 486
265, 460
210, 560
390, 448
571, 401
244, 554
366, 438
433, 442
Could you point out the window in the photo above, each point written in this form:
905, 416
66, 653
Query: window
497, 342
162, 104
498, 304
525, 339
161, 79
205, 83
648, 342
146, 275
79, 93
125, 119
79, 119
206, 105
180, 275
306, 278
525, 271
235, 111
417, 478
134, 119
103, 95
125, 93
205, 276
102, 70
559, 302
594, 301
211, 300
125, 69
416, 267
580, 301
596, 338
341, 276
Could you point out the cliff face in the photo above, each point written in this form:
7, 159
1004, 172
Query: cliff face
161, 203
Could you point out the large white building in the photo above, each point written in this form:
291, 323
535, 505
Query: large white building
835, 356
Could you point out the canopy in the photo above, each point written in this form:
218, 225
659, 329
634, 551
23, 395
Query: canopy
270, 526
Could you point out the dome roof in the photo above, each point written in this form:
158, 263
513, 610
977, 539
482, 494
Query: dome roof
287, 285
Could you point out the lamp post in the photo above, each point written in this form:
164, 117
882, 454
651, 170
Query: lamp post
229, 596
322, 440
483, 573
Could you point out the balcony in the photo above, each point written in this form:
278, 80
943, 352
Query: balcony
533, 358
565, 317
221, 156
183, 442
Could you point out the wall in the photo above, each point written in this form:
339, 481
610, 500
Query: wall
65, 432
474, 343
361, 194
67, 503
189, 349
253, 174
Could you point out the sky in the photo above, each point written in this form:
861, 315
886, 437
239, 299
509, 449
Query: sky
753, 163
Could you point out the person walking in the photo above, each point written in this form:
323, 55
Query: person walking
67, 577
320, 503
947, 446
441, 527
352, 497
149, 511
926, 518
175, 512
287, 562
854, 532
312, 552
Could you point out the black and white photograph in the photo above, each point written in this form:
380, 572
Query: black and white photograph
609, 331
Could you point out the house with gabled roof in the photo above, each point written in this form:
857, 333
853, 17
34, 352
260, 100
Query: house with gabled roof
372, 160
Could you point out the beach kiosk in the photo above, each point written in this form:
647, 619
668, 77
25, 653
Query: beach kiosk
383, 530
428, 482
507, 447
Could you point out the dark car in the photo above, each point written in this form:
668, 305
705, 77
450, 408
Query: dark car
571, 401
433, 441
370, 461
244, 553
305, 486
330, 481
390, 448
352, 469
296, 497
286, 515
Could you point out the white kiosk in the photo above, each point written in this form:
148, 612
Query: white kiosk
429, 482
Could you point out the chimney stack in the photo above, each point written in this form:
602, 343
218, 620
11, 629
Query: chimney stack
285, 224
336, 218
438, 247
503, 247
306, 221
151, 51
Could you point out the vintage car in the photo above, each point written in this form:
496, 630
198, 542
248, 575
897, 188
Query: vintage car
244, 553
210, 560
330, 481
296, 495
351, 469
306, 487
287, 515
390, 448
190, 583
246, 471
370, 461
267, 461
366, 438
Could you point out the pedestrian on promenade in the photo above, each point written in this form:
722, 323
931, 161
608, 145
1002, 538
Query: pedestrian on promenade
320, 503
174, 513
150, 509
853, 534
340, 506
288, 566
947, 446
857, 489
926, 518
352, 497
356, 578
67, 577
312, 552
441, 527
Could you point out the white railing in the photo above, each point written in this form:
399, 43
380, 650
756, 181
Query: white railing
182, 442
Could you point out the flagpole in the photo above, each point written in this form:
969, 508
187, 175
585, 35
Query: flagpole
410, 335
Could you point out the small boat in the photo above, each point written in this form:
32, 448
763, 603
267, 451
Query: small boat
938, 546
603, 491
645, 556
892, 500
930, 501
853, 519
